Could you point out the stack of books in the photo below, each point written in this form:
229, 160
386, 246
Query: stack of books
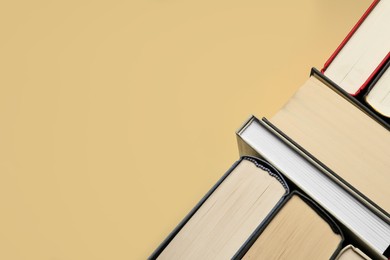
312, 181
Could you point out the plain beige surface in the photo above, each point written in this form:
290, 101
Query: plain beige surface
99, 98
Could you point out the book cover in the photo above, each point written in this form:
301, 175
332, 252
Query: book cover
363, 220
298, 229
363, 52
228, 214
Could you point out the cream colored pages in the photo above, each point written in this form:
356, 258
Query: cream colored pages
379, 95
341, 136
296, 232
228, 217
364, 51
352, 253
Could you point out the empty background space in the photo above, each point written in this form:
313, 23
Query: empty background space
116, 117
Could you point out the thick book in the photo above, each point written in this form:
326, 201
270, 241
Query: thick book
358, 102
231, 211
360, 218
300, 229
363, 52
342, 137
378, 94
351, 253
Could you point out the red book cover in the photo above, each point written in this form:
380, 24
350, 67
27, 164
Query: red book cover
347, 38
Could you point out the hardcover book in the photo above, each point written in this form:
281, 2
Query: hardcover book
227, 216
378, 94
365, 222
358, 102
342, 137
299, 230
363, 52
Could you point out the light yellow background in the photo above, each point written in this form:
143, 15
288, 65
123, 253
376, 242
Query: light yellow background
116, 117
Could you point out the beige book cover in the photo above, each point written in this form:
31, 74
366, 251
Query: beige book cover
351, 253
341, 136
296, 232
229, 215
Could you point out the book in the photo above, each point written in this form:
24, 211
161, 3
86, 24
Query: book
356, 101
363, 52
299, 230
229, 213
351, 253
378, 95
362, 220
342, 137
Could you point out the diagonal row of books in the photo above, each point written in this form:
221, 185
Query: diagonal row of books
320, 189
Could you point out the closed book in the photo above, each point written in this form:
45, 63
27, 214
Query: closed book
228, 214
378, 94
342, 137
364, 50
300, 229
362, 220
358, 102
